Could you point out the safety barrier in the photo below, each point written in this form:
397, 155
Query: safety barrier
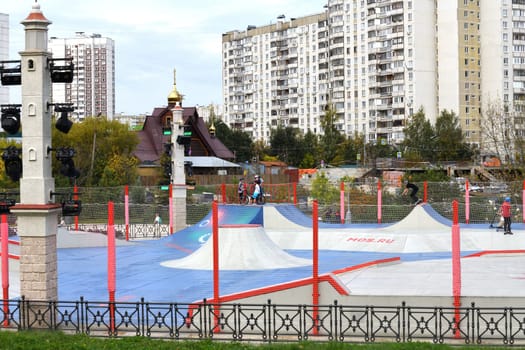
271, 322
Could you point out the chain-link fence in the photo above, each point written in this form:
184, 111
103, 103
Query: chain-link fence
360, 201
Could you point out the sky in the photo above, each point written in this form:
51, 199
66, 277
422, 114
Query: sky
153, 37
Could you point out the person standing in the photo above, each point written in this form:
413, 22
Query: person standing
157, 220
241, 189
413, 191
505, 211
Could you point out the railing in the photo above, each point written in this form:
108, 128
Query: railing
136, 231
270, 322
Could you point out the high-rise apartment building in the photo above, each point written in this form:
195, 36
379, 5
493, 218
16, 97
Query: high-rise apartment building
92, 91
375, 63
4, 53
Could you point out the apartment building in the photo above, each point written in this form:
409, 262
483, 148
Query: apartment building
376, 62
92, 91
4, 53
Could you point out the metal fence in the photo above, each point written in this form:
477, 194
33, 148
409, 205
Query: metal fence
271, 322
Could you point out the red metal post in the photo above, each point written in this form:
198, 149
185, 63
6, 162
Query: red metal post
215, 235
5, 267
111, 266
315, 265
342, 202
379, 202
467, 202
223, 193
126, 210
295, 194
456, 267
170, 208
425, 192
75, 197
523, 200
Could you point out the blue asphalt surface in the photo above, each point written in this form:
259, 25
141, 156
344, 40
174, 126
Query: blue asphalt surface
82, 271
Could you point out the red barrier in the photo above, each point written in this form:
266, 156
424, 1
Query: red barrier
425, 192
75, 197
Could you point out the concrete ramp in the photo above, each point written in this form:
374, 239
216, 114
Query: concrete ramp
241, 247
419, 220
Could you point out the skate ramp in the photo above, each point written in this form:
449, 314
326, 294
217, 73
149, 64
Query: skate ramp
193, 237
241, 247
420, 219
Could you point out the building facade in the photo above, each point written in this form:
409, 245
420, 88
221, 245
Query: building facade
92, 91
4, 53
375, 63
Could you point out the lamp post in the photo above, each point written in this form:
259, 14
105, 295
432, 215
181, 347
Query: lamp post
36, 212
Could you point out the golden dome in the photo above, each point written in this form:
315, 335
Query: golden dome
174, 95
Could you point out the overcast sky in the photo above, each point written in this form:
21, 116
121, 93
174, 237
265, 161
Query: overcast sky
153, 37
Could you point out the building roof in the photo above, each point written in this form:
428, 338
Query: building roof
152, 140
210, 162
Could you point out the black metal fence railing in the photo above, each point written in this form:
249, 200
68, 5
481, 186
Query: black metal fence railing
270, 322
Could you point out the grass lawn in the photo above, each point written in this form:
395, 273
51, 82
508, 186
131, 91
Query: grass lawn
45, 340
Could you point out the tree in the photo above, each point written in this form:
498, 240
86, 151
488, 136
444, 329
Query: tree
323, 190
501, 135
331, 137
96, 140
286, 145
449, 139
237, 141
119, 170
309, 143
419, 139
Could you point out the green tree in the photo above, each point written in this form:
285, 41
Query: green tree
323, 190
419, 141
119, 170
236, 141
309, 143
331, 137
286, 145
96, 140
449, 142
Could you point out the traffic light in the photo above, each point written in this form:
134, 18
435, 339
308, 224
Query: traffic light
10, 119
12, 162
166, 131
185, 138
167, 169
168, 148
188, 167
